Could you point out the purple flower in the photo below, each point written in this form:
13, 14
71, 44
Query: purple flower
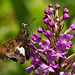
73, 73
46, 11
62, 73
32, 46
40, 29
51, 58
45, 47
72, 26
30, 68
39, 70
48, 51
65, 16
62, 55
50, 5
52, 24
65, 37
46, 21
49, 68
44, 44
57, 6
47, 33
60, 47
74, 34
37, 38
50, 11
45, 16
66, 10
64, 42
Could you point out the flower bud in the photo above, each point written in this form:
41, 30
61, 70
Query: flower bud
57, 6
65, 16
52, 24
46, 11
45, 16
47, 33
40, 29
46, 21
74, 34
72, 26
50, 5
66, 10
49, 11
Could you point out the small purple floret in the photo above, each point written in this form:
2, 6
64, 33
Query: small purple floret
35, 38
46, 21
61, 47
57, 6
65, 16
45, 44
45, 16
47, 33
72, 26
65, 37
62, 73
46, 11
63, 42
50, 5
74, 34
52, 24
49, 11
40, 29
66, 10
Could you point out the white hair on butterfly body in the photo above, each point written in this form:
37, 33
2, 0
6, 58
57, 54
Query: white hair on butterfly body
22, 50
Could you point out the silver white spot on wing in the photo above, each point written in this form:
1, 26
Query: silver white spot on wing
21, 49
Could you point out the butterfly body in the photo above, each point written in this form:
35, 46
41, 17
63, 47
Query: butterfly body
16, 48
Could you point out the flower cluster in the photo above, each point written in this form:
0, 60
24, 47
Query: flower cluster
49, 54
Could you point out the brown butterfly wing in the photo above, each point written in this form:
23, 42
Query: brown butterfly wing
12, 51
4, 47
9, 49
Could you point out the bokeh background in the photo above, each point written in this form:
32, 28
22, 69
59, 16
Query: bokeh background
15, 12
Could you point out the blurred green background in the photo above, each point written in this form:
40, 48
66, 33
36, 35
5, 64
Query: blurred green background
15, 12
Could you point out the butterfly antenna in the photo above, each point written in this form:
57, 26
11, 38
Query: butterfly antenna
33, 20
30, 23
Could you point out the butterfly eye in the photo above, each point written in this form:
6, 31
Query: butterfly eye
24, 31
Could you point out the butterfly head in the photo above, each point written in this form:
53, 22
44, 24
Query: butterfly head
22, 33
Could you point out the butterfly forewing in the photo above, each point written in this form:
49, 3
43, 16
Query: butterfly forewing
3, 49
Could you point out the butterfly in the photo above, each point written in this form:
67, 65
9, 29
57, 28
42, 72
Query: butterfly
17, 48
